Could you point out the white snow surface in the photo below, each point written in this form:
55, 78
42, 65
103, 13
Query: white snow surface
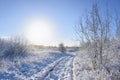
36, 66
52, 65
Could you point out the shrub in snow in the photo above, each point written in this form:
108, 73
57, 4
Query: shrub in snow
13, 46
2, 46
62, 48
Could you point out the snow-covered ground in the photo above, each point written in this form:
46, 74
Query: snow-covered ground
36, 66
83, 69
51, 65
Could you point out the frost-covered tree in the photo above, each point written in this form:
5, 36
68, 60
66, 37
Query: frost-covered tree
94, 29
118, 28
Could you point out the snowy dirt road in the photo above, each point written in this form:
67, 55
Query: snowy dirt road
61, 69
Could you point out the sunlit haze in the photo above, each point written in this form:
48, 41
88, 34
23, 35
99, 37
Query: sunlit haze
40, 31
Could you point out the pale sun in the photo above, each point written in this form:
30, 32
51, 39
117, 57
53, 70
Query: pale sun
40, 32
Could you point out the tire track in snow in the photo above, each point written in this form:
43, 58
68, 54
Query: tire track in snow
52, 69
74, 69
63, 71
45, 71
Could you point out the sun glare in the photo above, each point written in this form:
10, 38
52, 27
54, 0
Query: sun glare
40, 32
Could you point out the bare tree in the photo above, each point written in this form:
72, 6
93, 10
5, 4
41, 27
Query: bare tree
94, 29
117, 27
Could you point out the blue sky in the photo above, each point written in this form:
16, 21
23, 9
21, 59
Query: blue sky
64, 13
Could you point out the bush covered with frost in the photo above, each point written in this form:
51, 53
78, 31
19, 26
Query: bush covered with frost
13, 46
62, 48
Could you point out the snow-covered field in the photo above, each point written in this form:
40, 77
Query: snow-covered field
37, 66
51, 65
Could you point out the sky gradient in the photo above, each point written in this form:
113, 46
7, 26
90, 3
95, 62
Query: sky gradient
65, 14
